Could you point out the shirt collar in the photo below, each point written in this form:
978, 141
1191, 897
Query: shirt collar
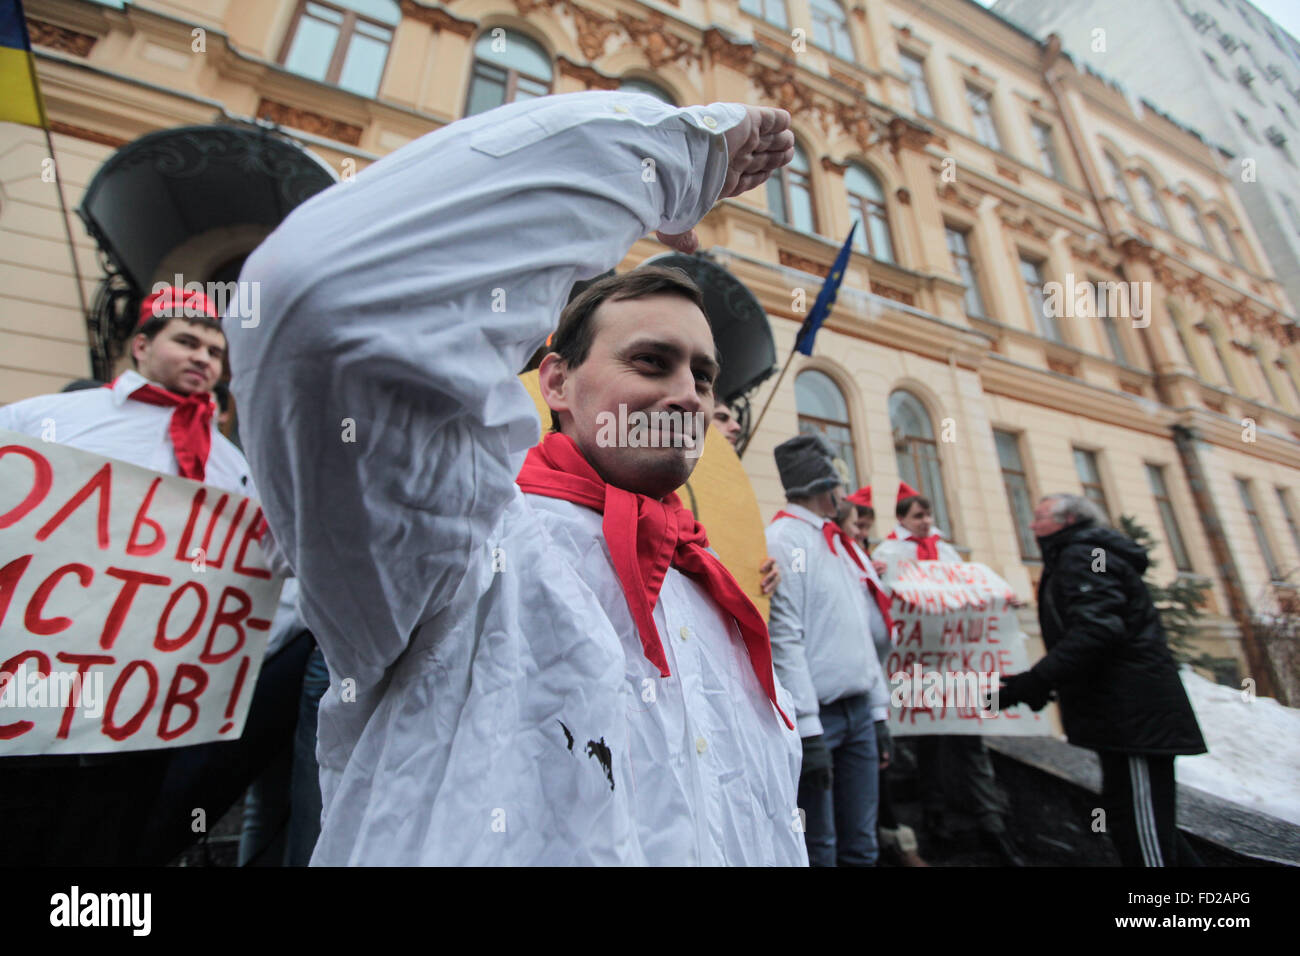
902, 534
125, 384
802, 513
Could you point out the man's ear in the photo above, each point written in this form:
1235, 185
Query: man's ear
139, 343
553, 381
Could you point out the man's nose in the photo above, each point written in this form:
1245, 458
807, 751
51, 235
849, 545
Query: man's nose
685, 394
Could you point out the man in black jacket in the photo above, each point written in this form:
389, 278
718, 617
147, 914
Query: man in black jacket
1117, 683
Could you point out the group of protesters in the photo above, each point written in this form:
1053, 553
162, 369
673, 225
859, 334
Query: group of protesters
544, 660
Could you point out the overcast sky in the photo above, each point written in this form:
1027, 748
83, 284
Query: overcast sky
1285, 13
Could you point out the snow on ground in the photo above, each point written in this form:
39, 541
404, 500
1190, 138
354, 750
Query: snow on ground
1254, 757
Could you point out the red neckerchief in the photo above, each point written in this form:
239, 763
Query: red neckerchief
190, 427
831, 531
927, 549
645, 538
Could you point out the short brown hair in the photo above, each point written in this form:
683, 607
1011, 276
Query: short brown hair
904, 506
575, 333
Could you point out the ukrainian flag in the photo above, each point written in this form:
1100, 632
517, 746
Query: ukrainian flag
20, 101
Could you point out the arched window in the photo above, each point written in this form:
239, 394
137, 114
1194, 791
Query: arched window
867, 209
789, 194
1118, 182
831, 28
1226, 245
508, 66
634, 84
1151, 196
342, 42
918, 453
1198, 227
823, 411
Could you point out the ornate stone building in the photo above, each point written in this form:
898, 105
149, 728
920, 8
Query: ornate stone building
1049, 292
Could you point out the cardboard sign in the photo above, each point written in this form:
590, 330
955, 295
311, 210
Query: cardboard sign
134, 606
955, 633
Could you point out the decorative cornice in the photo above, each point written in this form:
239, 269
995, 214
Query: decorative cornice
59, 38
309, 122
594, 79
659, 45
803, 264
727, 51
594, 30
438, 18
889, 292
905, 134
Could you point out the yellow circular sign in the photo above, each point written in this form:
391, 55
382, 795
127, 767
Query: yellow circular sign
722, 499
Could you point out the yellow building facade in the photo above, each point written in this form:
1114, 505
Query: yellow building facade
1005, 200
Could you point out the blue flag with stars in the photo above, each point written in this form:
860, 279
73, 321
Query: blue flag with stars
825, 298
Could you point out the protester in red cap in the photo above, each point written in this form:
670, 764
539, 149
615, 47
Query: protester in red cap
94, 809
915, 535
947, 761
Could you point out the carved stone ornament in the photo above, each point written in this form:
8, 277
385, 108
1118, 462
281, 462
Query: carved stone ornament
802, 263
309, 122
438, 18
727, 51
593, 79
659, 45
59, 38
594, 30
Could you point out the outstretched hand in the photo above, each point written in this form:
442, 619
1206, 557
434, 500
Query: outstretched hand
757, 146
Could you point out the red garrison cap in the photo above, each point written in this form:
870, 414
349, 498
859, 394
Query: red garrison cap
175, 303
906, 491
861, 497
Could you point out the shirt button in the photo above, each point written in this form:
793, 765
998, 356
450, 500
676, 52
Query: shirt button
619, 108
710, 122
685, 632
700, 745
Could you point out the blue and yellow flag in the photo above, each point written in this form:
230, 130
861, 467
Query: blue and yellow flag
20, 101
825, 299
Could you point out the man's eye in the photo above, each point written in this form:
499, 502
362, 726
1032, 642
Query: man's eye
650, 359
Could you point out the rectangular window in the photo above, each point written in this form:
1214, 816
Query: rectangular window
773, 11
959, 248
337, 46
1173, 537
1085, 463
914, 70
1046, 149
1112, 336
1248, 502
981, 108
1032, 273
1284, 499
1018, 496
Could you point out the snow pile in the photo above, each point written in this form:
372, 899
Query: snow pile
1254, 757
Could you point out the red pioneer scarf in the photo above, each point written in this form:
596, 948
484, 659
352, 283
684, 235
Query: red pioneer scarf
927, 549
831, 531
190, 428
645, 538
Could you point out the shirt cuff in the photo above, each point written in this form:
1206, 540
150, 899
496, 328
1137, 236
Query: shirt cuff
809, 725
879, 713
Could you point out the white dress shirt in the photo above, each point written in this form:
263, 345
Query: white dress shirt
898, 547
105, 421
822, 620
490, 700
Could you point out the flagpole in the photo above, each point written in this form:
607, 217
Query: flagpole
753, 430
58, 182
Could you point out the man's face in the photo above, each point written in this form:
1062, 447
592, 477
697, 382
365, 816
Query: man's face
726, 422
864, 525
1045, 522
917, 520
654, 355
183, 357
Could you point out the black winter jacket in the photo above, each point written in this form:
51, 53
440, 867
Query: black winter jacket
1107, 657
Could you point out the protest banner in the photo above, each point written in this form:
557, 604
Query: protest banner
955, 633
134, 607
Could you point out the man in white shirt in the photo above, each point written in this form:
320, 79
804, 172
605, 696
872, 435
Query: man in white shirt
552, 677
915, 535
111, 808
823, 622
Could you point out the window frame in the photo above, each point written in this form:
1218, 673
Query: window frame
1169, 518
814, 10
1049, 159
783, 178
1245, 491
818, 423
1099, 485
866, 211
347, 30
985, 96
1024, 530
1044, 325
942, 515
906, 56
967, 255
512, 74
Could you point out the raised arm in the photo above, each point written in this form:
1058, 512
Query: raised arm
381, 411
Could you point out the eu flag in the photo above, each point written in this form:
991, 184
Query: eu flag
19, 100
825, 298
